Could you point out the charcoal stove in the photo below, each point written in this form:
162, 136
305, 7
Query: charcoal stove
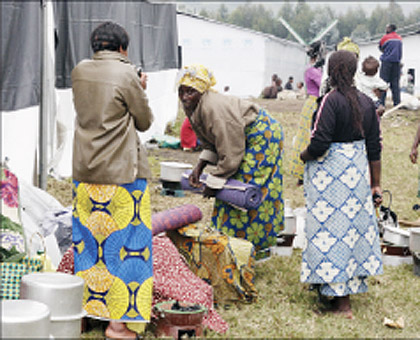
171, 188
178, 323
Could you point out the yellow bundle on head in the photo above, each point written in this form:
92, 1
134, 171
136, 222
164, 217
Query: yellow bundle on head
197, 77
348, 45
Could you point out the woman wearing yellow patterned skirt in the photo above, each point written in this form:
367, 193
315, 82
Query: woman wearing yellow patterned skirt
112, 236
243, 142
313, 75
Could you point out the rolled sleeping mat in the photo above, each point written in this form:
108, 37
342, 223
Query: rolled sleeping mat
175, 218
234, 192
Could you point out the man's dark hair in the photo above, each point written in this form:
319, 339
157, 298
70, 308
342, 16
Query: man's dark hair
392, 27
109, 36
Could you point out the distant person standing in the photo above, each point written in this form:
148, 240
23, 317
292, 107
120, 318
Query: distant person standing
312, 76
391, 48
289, 84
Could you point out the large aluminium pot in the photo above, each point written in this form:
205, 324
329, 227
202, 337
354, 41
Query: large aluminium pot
24, 319
63, 294
414, 242
172, 171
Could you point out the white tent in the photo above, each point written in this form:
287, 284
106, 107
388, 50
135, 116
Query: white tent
240, 58
21, 139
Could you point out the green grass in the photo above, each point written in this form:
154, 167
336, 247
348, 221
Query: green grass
285, 307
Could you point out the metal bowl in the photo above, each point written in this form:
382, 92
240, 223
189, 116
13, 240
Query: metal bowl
61, 292
172, 171
24, 319
396, 236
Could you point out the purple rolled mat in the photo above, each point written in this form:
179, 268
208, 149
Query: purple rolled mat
175, 218
237, 193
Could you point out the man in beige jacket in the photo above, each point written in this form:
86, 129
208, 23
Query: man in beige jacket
112, 239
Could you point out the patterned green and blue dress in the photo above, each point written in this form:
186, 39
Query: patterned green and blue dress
262, 166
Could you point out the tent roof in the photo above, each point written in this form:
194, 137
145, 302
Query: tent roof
262, 34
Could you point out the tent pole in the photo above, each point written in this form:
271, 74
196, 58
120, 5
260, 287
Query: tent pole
43, 107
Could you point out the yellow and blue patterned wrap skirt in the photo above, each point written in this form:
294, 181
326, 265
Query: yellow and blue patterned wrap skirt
262, 166
112, 240
302, 138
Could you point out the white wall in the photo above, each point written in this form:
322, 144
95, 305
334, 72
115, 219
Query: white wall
410, 58
286, 59
240, 58
235, 56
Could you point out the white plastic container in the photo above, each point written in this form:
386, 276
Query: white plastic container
24, 319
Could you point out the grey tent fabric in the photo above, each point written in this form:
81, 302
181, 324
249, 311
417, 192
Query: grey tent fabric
151, 27
153, 42
20, 68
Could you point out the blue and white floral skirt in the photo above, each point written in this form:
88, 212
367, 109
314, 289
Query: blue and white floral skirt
342, 240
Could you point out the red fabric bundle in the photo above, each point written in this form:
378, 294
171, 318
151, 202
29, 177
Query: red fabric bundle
187, 134
172, 280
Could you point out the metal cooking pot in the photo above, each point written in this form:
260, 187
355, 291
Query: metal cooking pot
61, 292
396, 236
68, 327
24, 319
179, 317
172, 171
289, 221
414, 239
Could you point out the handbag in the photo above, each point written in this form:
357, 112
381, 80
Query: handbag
12, 272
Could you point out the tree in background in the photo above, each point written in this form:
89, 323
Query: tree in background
309, 22
350, 20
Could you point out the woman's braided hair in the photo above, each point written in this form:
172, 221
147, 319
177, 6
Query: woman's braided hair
342, 66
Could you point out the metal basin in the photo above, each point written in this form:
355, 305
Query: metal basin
24, 319
415, 239
396, 236
172, 171
62, 293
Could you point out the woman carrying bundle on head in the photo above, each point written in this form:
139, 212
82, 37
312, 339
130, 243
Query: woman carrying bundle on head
243, 142
342, 174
